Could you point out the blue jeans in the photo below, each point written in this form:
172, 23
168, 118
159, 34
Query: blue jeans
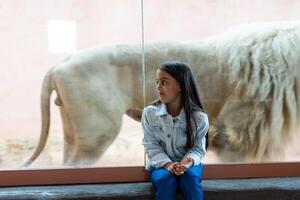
166, 184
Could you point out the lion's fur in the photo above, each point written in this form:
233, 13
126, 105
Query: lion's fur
263, 63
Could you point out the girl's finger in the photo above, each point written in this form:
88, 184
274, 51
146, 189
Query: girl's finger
180, 173
182, 167
173, 171
178, 168
176, 173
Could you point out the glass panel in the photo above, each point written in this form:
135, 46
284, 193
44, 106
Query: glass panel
94, 88
250, 104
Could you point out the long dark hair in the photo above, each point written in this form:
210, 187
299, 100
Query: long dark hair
189, 95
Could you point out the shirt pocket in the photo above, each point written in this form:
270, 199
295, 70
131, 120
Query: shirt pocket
159, 133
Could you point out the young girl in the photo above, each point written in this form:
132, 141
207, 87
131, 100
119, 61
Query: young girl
175, 134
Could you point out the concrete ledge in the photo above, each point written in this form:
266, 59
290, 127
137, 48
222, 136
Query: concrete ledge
230, 189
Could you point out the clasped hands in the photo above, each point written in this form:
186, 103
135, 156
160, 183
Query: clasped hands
178, 168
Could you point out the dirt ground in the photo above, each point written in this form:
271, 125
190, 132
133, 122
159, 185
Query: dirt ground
125, 151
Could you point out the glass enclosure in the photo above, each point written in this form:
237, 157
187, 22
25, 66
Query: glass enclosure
93, 52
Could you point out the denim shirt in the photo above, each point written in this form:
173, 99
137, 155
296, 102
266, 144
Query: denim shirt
165, 136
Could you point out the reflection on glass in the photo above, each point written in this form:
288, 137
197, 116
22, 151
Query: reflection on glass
37, 35
251, 117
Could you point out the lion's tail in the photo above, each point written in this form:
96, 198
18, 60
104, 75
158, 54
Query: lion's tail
45, 114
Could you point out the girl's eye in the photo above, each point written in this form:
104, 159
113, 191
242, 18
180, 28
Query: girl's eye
162, 82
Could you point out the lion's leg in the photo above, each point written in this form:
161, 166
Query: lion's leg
94, 103
135, 113
237, 134
69, 137
91, 142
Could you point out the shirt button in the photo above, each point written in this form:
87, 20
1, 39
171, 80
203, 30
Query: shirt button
168, 135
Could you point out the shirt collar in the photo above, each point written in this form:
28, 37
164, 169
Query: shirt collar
181, 115
162, 110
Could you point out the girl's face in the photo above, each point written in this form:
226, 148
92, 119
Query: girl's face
167, 87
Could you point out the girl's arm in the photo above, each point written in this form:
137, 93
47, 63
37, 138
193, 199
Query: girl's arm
198, 151
153, 149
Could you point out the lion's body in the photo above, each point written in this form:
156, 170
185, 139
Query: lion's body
248, 82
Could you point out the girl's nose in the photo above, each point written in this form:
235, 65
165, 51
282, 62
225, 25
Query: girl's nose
158, 87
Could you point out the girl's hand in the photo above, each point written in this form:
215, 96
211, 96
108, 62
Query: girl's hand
170, 167
181, 167
187, 162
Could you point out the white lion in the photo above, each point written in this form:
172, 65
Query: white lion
248, 80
